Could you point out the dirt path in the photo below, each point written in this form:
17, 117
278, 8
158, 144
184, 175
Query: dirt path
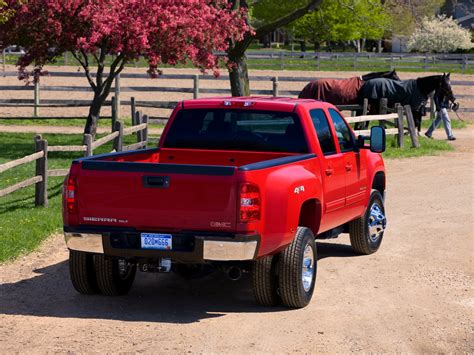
415, 295
60, 129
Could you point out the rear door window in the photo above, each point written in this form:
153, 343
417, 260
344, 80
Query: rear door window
247, 130
321, 125
344, 134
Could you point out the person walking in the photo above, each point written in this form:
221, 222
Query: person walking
441, 115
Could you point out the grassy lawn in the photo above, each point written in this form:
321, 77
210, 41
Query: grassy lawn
23, 226
307, 64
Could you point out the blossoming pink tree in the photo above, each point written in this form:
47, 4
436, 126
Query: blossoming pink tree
163, 31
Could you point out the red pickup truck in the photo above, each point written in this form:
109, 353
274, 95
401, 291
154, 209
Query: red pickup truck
237, 184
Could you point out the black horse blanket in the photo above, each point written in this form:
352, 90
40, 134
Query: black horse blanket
404, 92
334, 91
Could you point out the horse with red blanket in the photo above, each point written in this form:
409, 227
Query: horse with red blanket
341, 91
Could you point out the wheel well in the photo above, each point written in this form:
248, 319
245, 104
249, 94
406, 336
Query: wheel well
379, 182
310, 215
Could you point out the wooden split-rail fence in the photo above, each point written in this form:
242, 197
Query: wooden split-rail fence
42, 151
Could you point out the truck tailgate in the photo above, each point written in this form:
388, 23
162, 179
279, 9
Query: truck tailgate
157, 196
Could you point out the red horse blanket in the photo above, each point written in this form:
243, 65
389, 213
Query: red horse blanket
334, 91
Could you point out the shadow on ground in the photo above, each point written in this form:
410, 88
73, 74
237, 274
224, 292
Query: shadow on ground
165, 298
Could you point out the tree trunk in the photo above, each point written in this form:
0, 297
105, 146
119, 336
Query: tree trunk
93, 117
239, 76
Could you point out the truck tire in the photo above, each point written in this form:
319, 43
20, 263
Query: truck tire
82, 273
297, 270
366, 232
265, 282
114, 276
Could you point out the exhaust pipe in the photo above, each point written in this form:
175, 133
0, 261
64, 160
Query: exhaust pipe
234, 273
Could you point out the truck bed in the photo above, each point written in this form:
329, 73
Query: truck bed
167, 189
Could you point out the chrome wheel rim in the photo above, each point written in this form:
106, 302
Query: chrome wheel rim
307, 272
377, 223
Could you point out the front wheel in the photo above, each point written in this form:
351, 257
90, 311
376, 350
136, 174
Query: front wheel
366, 232
297, 270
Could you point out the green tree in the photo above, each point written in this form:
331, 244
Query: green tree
265, 17
4, 13
345, 20
408, 14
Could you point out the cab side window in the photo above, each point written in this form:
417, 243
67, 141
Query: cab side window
321, 125
343, 132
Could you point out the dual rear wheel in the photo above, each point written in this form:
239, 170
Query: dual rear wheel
92, 274
288, 278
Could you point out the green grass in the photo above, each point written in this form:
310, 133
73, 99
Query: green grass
427, 147
306, 64
22, 225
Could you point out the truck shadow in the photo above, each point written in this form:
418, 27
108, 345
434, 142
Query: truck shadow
165, 298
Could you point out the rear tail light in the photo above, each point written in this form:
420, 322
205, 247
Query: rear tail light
250, 203
71, 201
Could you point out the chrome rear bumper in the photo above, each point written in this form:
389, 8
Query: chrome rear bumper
208, 248
90, 243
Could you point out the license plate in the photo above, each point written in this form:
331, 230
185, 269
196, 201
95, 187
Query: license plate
156, 241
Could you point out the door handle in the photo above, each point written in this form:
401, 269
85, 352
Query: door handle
348, 167
329, 171
160, 182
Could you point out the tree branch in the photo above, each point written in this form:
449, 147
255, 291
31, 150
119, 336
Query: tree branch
85, 65
239, 48
285, 20
112, 74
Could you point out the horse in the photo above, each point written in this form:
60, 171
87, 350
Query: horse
341, 91
413, 92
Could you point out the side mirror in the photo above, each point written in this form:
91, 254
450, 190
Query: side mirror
377, 139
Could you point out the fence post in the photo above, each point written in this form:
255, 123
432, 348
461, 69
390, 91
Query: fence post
391, 61
36, 98
425, 65
411, 128
282, 58
383, 110
463, 65
117, 95
355, 61
41, 188
196, 86
4, 61
275, 86
118, 141
133, 108
138, 120
400, 137
145, 131
318, 62
88, 144
114, 113
65, 58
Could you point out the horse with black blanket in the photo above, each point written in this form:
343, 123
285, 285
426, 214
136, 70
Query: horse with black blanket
413, 92
341, 91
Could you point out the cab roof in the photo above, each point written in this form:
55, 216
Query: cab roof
286, 104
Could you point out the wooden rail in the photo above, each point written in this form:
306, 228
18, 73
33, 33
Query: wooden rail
40, 180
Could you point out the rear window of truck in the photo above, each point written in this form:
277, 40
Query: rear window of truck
245, 130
